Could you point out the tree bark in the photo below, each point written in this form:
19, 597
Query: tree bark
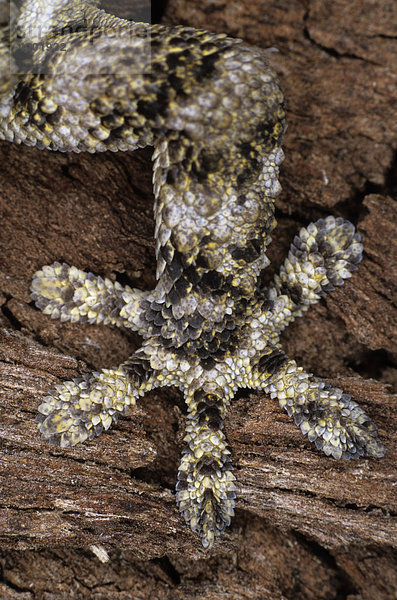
307, 526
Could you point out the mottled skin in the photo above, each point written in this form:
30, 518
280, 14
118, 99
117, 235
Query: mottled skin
213, 110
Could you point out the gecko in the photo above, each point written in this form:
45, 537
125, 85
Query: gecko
74, 78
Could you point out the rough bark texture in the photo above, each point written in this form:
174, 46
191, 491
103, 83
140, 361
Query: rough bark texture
307, 527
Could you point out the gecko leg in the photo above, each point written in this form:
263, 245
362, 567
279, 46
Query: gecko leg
329, 417
322, 256
69, 294
81, 409
205, 489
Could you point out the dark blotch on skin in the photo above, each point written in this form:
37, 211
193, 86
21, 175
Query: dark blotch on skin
293, 291
271, 363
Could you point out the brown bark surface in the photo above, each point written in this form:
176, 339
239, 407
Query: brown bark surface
306, 526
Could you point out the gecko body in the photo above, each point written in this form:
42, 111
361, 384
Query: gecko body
214, 112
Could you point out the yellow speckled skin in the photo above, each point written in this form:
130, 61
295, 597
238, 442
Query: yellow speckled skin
83, 80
